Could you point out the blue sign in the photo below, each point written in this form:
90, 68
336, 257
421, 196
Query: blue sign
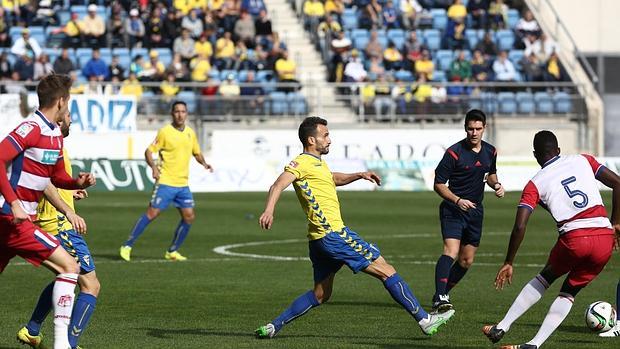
98, 113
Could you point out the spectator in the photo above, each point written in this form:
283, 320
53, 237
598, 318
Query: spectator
375, 12
413, 50
230, 91
392, 58
116, 31
63, 64
24, 67
314, 11
498, 14
240, 58
275, 47
287, 72
96, 67
169, 88
137, 66
487, 46
93, 28
170, 29
245, 30
374, 48
383, 99
42, 67
113, 87
184, 45
154, 29
478, 10
253, 7
224, 52
334, 8
15, 85
544, 47
455, 34
193, 24
504, 69
340, 44
422, 91
134, 29
26, 44
480, 67
410, 11
5, 39
532, 68
457, 11
132, 87
93, 87
200, 67
262, 25
45, 14
253, 95
527, 25
460, 68
203, 46
179, 69
554, 71
261, 58
115, 69
5, 66
231, 9
425, 66
329, 28
376, 67
153, 69
390, 16
354, 71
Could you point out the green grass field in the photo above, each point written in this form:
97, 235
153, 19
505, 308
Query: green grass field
216, 301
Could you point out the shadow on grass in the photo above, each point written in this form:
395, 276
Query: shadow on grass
366, 304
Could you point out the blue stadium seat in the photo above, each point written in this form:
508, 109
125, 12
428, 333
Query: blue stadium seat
525, 101
63, 16
83, 51
15, 32
54, 40
189, 97
243, 76
432, 39
404, 75
40, 37
278, 103
513, 18
440, 18
36, 30
397, 36
489, 102
214, 74
297, 103
360, 38
80, 10
475, 102
121, 51
472, 37
105, 51
507, 102
444, 58
382, 37
562, 103
544, 103
264, 75
505, 39
349, 19
516, 56
467, 54
439, 76
224, 74
140, 51
124, 59
165, 55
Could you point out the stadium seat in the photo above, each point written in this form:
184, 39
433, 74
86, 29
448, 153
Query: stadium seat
80, 10
63, 16
439, 76
404, 75
397, 36
525, 103
489, 102
544, 103
124, 59
297, 104
562, 103
440, 19
264, 75
224, 74
516, 56
243, 76
140, 51
432, 39
278, 103
189, 97
505, 39
360, 38
349, 19
40, 38
472, 37
165, 55
54, 40
513, 18
444, 58
214, 74
507, 102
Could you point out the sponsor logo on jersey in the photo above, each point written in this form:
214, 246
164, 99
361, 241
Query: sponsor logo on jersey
24, 130
50, 157
293, 164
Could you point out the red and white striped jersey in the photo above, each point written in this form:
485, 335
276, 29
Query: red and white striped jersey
567, 187
39, 146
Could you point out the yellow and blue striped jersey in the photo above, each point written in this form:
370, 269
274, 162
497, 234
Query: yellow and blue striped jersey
48, 218
175, 149
316, 192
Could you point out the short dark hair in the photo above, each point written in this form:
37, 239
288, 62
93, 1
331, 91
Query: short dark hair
475, 115
308, 128
53, 87
545, 143
175, 103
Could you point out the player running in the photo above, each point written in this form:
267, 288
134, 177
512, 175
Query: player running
332, 244
32, 155
466, 167
58, 224
175, 144
567, 187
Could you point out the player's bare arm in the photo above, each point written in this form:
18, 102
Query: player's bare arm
494, 184
80, 194
346, 178
612, 180
504, 275
51, 194
446, 194
201, 160
282, 182
148, 156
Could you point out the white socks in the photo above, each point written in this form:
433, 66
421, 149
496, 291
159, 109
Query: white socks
62, 301
530, 294
557, 313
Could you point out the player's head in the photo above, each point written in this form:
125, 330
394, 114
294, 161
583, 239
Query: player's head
53, 93
179, 113
545, 146
314, 135
475, 123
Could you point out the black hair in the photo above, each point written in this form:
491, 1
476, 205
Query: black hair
307, 128
175, 103
545, 143
475, 115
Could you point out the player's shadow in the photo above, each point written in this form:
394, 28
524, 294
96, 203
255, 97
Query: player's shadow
366, 304
107, 257
564, 328
167, 333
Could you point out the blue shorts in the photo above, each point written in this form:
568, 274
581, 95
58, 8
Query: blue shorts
461, 225
75, 244
164, 194
335, 249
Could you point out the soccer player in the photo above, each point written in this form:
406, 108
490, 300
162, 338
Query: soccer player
58, 224
175, 144
466, 166
567, 187
615, 331
332, 244
32, 156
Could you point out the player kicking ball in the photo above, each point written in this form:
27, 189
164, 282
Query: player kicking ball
332, 244
567, 187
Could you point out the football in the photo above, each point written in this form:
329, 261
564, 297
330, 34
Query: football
600, 316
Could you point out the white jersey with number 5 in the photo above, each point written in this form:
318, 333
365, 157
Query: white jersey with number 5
567, 187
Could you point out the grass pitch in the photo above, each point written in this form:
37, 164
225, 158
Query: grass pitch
216, 301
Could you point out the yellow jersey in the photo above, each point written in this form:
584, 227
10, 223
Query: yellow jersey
316, 192
175, 149
48, 218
